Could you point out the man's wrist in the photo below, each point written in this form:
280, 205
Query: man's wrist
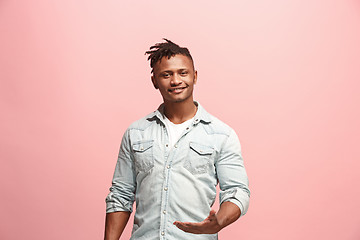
222, 220
228, 213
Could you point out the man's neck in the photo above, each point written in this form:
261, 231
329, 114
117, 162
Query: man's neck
179, 112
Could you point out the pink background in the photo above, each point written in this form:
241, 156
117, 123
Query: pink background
284, 74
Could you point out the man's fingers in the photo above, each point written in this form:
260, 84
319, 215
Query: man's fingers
188, 226
212, 213
199, 227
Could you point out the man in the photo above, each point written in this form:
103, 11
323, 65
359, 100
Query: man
170, 162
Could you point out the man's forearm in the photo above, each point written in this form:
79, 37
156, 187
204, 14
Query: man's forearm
115, 224
228, 213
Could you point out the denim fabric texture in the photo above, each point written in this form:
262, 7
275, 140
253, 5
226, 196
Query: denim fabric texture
178, 183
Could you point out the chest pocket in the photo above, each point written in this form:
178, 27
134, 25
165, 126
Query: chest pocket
199, 158
143, 154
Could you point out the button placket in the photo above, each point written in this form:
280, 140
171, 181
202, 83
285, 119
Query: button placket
167, 146
164, 199
169, 153
166, 188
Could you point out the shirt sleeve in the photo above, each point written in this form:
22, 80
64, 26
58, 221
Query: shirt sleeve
232, 175
122, 191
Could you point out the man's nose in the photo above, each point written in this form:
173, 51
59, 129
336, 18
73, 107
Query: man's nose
176, 79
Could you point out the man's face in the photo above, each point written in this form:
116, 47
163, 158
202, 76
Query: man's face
175, 78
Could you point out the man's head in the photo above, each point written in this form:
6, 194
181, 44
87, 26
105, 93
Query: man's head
167, 49
173, 71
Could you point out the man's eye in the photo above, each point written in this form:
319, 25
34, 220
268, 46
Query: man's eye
184, 73
166, 75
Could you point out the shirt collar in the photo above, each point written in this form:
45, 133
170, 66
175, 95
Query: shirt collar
201, 114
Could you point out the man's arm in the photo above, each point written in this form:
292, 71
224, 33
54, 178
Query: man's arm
115, 224
119, 201
227, 214
234, 191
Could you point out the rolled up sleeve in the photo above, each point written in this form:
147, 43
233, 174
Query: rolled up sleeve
233, 180
122, 191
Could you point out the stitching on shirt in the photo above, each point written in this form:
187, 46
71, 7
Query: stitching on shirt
211, 129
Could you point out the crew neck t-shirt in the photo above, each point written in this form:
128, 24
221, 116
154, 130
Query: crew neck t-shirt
175, 130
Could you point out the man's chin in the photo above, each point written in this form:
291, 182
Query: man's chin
177, 100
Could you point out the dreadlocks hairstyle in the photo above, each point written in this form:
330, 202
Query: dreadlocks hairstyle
166, 49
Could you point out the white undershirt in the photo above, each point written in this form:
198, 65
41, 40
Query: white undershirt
175, 130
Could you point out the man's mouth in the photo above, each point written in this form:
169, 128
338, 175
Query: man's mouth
177, 90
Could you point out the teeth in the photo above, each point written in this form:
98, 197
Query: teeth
176, 89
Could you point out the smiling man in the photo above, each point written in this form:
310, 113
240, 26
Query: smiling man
171, 161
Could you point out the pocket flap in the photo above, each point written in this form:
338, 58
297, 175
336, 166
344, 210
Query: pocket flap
201, 149
142, 146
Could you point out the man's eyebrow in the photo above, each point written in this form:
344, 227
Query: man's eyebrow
177, 70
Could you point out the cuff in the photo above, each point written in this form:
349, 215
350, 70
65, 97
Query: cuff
236, 196
115, 204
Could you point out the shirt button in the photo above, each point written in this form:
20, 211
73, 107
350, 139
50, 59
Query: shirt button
187, 128
164, 212
165, 188
162, 233
142, 148
167, 145
175, 146
167, 166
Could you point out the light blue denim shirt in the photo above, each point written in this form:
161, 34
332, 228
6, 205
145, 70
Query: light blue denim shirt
178, 183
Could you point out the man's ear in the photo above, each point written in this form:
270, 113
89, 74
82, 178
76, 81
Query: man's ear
154, 82
195, 77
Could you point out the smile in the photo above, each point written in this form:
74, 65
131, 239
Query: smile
177, 90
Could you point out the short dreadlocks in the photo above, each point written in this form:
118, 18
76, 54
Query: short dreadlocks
168, 49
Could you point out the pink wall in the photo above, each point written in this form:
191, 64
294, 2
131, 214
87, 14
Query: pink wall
284, 74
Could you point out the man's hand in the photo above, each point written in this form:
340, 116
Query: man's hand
227, 214
209, 226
